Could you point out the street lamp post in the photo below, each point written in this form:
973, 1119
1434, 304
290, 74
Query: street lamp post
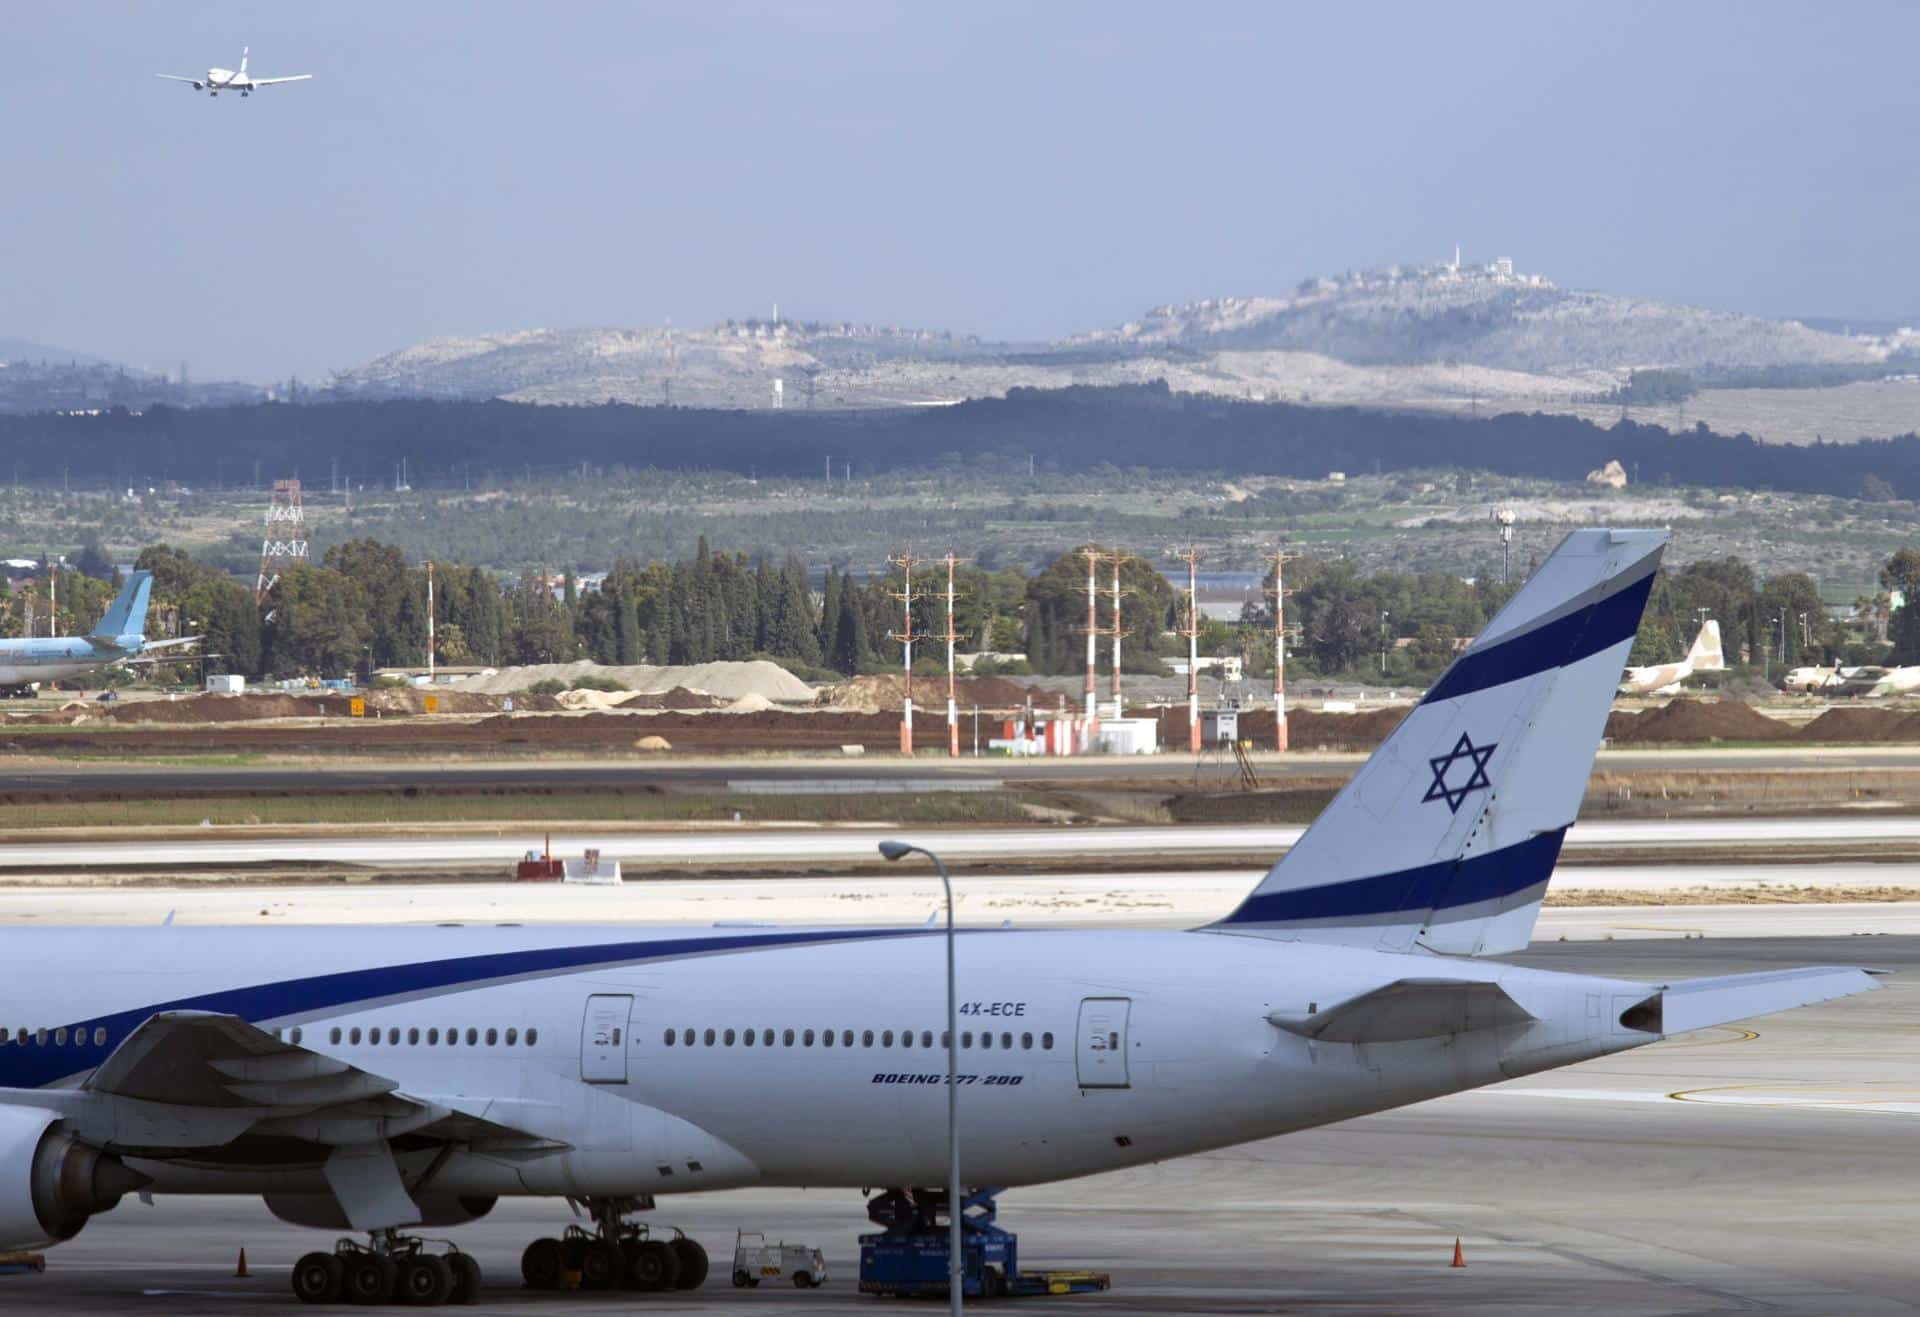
894, 850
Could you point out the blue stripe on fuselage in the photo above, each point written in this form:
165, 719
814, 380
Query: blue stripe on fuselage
1580, 634
1447, 885
36, 1065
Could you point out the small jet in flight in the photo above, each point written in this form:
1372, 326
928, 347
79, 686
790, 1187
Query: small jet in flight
219, 80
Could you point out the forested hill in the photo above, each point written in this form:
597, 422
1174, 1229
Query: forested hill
447, 444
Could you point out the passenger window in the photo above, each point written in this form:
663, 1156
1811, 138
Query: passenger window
786, 1039
296, 1035
709, 1038
99, 1035
60, 1037
866, 1039
926, 1038
686, 1037
670, 1037
393, 1037
333, 1035
746, 1037
353, 1036
806, 1039
1006, 1040
473, 1037
729, 1038
433, 1037
533, 1036
906, 1038
886, 1038
413, 1038
766, 1037
986, 1041
494, 1037
846, 1038
1046, 1042
826, 1038
966, 1038
1026, 1042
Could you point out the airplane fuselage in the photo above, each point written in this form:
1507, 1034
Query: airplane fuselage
1082, 1051
56, 658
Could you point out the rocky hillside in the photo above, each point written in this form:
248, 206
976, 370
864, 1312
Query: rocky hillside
1442, 336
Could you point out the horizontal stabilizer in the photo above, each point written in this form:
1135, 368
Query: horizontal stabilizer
1697, 1003
1407, 1009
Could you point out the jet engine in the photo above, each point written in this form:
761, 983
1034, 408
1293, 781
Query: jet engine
51, 1182
322, 1212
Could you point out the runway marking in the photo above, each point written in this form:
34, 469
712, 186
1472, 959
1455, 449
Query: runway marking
1681, 1042
1875, 1097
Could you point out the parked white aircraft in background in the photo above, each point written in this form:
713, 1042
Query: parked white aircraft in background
219, 80
1874, 683
1667, 678
378, 1079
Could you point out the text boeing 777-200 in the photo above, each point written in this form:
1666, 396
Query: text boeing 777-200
387, 1079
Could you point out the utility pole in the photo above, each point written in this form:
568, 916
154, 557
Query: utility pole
1384, 615
1093, 557
1279, 592
905, 636
953, 707
1191, 558
429, 621
1119, 709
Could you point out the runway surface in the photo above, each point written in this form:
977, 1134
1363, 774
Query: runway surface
1768, 1169
501, 845
713, 774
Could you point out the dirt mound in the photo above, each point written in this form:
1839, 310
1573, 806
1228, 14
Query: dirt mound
1307, 729
726, 681
677, 698
883, 694
219, 709
1695, 721
1857, 724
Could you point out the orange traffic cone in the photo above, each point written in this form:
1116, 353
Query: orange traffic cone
240, 1268
1459, 1259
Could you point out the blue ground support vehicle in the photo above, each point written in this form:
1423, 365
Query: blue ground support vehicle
909, 1257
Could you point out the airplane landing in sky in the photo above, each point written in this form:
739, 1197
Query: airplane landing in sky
219, 80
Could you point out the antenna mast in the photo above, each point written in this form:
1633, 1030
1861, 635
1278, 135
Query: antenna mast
953, 706
1118, 630
1093, 556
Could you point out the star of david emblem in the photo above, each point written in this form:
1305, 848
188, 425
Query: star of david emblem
1475, 756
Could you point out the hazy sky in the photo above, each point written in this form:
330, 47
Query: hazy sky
1013, 170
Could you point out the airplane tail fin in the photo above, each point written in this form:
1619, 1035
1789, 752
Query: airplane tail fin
1706, 654
128, 612
1446, 836
243, 61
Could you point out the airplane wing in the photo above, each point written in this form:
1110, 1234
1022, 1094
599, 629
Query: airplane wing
174, 643
197, 1080
268, 82
175, 77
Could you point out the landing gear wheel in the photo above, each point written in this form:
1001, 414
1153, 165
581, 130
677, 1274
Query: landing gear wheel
693, 1264
317, 1278
425, 1280
600, 1266
629, 1250
802, 1281
540, 1265
369, 1279
656, 1266
466, 1278
742, 1281
573, 1253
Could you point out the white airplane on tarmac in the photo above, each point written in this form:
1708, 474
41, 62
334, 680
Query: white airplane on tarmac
384, 1079
219, 80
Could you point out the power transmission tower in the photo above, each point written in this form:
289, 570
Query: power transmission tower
285, 539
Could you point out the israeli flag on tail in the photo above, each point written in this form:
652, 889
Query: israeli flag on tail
1445, 838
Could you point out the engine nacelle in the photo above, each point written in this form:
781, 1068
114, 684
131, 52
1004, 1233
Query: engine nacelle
51, 1182
322, 1211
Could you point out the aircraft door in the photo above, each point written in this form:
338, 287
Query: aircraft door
603, 1039
1100, 1046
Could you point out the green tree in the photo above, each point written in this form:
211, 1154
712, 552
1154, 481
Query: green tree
1901, 575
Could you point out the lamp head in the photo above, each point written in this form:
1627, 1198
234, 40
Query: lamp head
893, 850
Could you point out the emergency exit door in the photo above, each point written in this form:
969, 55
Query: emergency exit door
1100, 1051
603, 1039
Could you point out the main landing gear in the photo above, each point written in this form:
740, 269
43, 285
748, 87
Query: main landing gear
393, 1268
616, 1254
